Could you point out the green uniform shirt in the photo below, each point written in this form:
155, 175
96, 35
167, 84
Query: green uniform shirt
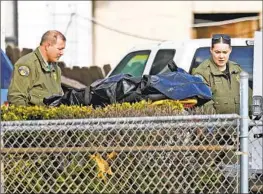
34, 79
225, 85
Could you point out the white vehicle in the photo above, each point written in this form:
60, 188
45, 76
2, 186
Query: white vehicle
152, 59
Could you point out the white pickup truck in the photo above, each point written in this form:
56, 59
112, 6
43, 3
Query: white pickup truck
152, 59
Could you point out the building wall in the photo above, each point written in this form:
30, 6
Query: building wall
152, 20
227, 6
117, 25
156, 20
69, 17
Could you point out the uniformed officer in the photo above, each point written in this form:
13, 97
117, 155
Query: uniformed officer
37, 75
222, 75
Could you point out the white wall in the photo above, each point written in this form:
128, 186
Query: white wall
227, 6
152, 19
36, 17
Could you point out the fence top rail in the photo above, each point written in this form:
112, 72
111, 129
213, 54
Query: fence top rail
120, 120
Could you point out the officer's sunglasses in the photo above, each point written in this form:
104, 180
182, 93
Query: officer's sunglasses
217, 37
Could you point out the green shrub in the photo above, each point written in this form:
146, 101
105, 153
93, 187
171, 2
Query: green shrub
142, 108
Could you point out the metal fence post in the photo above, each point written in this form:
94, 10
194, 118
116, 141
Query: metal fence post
1, 166
244, 132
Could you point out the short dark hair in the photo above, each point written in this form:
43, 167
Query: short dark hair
221, 38
52, 36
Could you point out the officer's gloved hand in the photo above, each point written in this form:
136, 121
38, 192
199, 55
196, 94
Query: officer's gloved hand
54, 100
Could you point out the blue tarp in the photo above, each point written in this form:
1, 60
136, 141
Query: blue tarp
177, 85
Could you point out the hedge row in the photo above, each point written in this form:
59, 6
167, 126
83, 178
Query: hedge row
142, 108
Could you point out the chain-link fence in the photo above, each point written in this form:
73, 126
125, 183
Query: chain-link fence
256, 157
176, 154
180, 154
255, 169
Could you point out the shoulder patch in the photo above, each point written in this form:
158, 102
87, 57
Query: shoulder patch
23, 70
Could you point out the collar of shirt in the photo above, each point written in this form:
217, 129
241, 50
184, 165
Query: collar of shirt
44, 64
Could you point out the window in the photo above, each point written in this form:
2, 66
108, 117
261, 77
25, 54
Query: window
161, 60
6, 71
243, 55
133, 63
233, 28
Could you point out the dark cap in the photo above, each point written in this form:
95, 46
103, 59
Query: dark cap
221, 38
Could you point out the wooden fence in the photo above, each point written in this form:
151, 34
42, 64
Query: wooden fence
84, 75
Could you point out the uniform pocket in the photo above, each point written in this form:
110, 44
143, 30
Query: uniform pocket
224, 105
37, 95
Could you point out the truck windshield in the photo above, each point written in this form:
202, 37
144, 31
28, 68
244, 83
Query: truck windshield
243, 55
133, 63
